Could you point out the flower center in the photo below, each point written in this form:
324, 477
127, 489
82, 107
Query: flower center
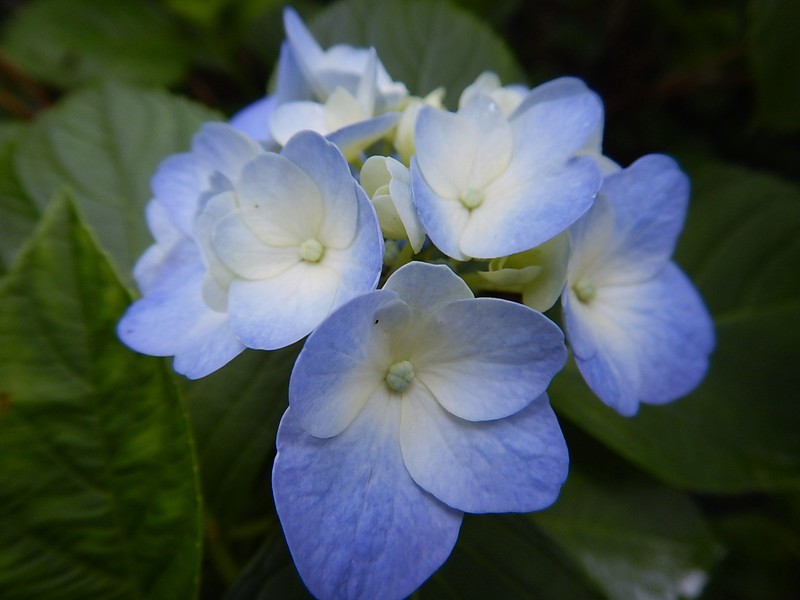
585, 291
400, 375
312, 251
472, 198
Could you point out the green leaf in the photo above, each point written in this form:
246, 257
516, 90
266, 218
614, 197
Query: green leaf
773, 50
506, 556
98, 494
738, 431
270, 574
18, 213
423, 44
235, 413
633, 538
105, 144
73, 42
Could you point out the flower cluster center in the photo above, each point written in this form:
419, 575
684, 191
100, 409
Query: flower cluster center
585, 291
312, 251
400, 375
472, 198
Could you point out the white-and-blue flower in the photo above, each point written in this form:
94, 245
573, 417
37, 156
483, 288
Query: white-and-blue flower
409, 406
636, 325
275, 243
486, 185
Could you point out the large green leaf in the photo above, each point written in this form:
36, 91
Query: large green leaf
18, 213
235, 413
506, 556
633, 538
105, 144
738, 431
73, 42
98, 492
774, 49
423, 44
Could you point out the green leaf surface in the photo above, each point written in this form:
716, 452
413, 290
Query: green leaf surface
235, 413
98, 493
774, 49
105, 144
633, 538
73, 42
423, 44
738, 431
506, 556
18, 213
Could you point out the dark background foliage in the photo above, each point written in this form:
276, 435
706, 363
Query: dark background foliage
120, 480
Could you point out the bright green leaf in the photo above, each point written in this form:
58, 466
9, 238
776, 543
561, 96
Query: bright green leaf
105, 144
633, 538
98, 493
738, 431
235, 413
73, 42
18, 213
423, 44
774, 50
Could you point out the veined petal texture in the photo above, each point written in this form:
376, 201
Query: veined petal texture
410, 394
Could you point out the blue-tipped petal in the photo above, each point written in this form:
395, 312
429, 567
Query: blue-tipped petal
253, 120
516, 464
641, 343
177, 186
352, 139
343, 363
486, 358
426, 288
357, 525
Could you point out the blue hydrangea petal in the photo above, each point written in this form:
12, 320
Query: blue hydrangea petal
343, 363
426, 287
253, 119
292, 85
177, 186
516, 464
306, 52
352, 139
219, 148
175, 321
356, 523
551, 126
647, 342
527, 207
649, 200
443, 220
488, 358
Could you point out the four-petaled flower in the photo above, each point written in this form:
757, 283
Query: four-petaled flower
636, 325
409, 406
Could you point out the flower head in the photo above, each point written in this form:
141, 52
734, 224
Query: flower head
637, 326
487, 185
409, 406
277, 242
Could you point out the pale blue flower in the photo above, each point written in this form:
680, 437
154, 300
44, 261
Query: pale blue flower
637, 326
486, 185
409, 406
275, 243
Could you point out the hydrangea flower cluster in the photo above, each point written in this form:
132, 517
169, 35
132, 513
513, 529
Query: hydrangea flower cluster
412, 404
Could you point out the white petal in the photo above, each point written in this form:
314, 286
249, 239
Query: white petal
291, 118
400, 190
253, 120
218, 147
177, 186
272, 313
279, 201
